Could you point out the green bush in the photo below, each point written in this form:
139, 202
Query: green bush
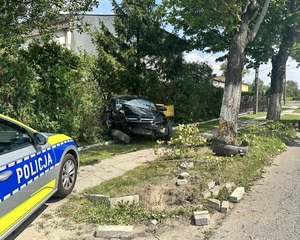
51, 89
195, 102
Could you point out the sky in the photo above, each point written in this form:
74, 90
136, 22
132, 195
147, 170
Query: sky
292, 72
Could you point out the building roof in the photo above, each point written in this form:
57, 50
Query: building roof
219, 78
62, 23
222, 79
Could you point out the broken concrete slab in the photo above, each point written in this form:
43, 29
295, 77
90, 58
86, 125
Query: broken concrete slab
211, 184
201, 218
224, 207
126, 199
114, 231
103, 199
214, 204
237, 194
215, 191
183, 175
180, 182
206, 194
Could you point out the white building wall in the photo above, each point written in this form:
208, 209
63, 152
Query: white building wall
83, 41
219, 84
80, 41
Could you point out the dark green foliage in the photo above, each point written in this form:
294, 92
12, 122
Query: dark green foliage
195, 102
57, 71
17, 90
141, 58
191, 93
139, 55
292, 89
48, 88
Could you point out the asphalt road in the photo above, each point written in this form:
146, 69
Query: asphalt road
272, 209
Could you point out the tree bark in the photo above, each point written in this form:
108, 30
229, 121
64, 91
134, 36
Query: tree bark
228, 126
278, 73
274, 109
232, 93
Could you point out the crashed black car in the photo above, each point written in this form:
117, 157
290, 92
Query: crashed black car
136, 115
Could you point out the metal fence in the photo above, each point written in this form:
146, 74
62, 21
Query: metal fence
248, 102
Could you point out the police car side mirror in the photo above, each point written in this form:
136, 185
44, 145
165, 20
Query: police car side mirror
40, 139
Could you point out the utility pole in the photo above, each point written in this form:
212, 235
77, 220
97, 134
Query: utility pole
255, 107
284, 86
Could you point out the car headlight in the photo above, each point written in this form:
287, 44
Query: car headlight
163, 130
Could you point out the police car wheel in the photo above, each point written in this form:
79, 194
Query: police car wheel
67, 176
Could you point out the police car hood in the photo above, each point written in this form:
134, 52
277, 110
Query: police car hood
53, 138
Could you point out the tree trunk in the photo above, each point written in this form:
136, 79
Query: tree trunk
278, 73
274, 109
228, 125
232, 93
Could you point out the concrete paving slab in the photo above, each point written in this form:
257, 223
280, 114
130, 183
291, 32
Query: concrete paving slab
93, 175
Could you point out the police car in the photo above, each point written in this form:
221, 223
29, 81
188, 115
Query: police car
33, 167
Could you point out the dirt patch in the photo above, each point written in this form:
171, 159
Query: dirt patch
47, 222
165, 195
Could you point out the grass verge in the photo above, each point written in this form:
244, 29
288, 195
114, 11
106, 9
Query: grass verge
155, 182
98, 153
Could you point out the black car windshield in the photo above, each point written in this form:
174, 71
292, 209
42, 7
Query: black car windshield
138, 102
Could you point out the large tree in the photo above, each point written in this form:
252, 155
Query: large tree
139, 55
282, 21
220, 26
288, 32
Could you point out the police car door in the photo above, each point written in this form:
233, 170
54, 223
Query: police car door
26, 178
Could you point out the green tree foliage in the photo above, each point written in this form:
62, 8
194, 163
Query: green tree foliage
282, 21
56, 70
17, 90
221, 26
223, 68
139, 54
261, 88
295, 52
194, 98
41, 86
292, 89
58, 97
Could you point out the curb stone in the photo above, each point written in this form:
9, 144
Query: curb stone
116, 231
237, 194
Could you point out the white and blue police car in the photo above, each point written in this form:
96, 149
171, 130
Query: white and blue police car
33, 167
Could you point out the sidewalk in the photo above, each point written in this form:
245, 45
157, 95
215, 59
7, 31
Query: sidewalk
93, 175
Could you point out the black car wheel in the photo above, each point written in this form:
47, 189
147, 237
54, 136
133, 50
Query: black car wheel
169, 133
124, 138
67, 176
